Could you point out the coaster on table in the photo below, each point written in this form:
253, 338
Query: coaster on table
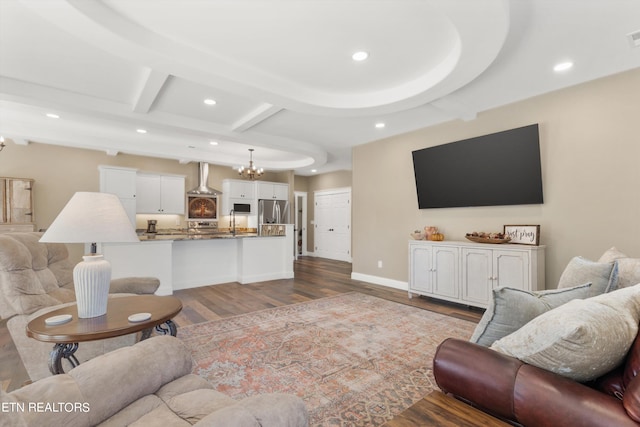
139, 317
58, 320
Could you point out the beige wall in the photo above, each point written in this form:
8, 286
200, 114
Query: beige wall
590, 148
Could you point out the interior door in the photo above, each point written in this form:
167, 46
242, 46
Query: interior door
332, 231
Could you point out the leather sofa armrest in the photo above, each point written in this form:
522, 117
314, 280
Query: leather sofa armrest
477, 375
543, 398
134, 285
506, 387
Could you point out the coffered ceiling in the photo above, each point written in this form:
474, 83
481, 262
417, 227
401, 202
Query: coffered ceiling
281, 72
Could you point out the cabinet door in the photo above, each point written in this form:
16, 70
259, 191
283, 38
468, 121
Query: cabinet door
511, 269
20, 201
281, 191
445, 271
265, 190
121, 182
172, 195
420, 269
241, 190
149, 194
477, 275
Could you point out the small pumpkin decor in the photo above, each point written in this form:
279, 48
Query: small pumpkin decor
436, 237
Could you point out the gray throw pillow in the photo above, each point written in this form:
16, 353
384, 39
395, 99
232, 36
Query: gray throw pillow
628, 268
581, 340
603, 276
510, 309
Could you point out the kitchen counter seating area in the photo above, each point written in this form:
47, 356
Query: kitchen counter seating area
190, 260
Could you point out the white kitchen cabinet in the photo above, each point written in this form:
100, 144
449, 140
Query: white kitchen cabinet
434, 271
160, 194
239, 189
241, 192
479, 269
122, 183
273, 191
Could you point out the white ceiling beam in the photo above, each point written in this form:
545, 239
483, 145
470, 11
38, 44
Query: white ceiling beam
151, 86
260, 114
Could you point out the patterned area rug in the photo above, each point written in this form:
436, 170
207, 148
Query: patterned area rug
356, 360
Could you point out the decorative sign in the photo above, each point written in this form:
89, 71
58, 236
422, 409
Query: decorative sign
523, 234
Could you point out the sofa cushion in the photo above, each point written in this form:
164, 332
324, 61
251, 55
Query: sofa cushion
601, 275
628, 268
510, 309
582, 339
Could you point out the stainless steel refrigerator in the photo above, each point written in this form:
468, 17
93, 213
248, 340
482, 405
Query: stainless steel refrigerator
272, 212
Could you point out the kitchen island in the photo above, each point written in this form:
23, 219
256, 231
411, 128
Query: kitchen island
183, 261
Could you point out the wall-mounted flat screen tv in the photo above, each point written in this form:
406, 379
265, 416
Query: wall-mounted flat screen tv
498, 169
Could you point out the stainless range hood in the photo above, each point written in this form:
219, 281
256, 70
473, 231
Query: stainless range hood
203, 177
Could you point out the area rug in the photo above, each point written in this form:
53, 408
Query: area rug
356, 360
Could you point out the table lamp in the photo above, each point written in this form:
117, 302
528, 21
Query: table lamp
91, 218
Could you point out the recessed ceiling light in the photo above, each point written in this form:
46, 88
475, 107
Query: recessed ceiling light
210, 101
380, 125
562, 66
53, 116
314, 170
141, 130
213, 142
360, 55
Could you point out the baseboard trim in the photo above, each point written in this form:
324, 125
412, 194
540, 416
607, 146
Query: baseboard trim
377, 280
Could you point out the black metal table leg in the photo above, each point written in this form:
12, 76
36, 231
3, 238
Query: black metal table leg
59, 352
170, 328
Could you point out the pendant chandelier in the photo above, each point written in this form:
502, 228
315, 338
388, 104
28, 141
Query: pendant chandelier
250, 172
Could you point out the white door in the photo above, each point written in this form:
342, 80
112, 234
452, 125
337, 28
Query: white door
332, 231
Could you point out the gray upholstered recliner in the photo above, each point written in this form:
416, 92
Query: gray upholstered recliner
38, 277
147, 384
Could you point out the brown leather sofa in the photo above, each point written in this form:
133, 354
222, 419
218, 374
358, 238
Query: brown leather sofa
525, 395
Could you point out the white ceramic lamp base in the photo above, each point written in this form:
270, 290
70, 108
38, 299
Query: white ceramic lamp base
91, 279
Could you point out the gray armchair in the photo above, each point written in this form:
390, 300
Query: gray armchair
147, 384
36, 278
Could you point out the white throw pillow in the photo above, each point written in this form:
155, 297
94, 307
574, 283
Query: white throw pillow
601, 275
628, 268
582, 339
510, 309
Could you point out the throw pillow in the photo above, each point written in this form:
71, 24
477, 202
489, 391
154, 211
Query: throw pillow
582, 339
601, 275
628, 268
510, 309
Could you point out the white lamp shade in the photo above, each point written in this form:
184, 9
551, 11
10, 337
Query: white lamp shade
91, 217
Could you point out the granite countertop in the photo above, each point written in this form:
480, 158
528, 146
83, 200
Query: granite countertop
193, 236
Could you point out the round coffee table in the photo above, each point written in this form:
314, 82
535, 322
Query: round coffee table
67, 336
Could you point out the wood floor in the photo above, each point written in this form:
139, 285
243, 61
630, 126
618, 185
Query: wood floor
314, 278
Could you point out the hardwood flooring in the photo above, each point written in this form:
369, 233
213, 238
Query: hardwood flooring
438, 409
314, 278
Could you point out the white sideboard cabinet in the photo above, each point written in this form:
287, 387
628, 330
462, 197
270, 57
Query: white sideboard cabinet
466, 273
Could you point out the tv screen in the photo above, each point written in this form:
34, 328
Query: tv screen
498, 169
